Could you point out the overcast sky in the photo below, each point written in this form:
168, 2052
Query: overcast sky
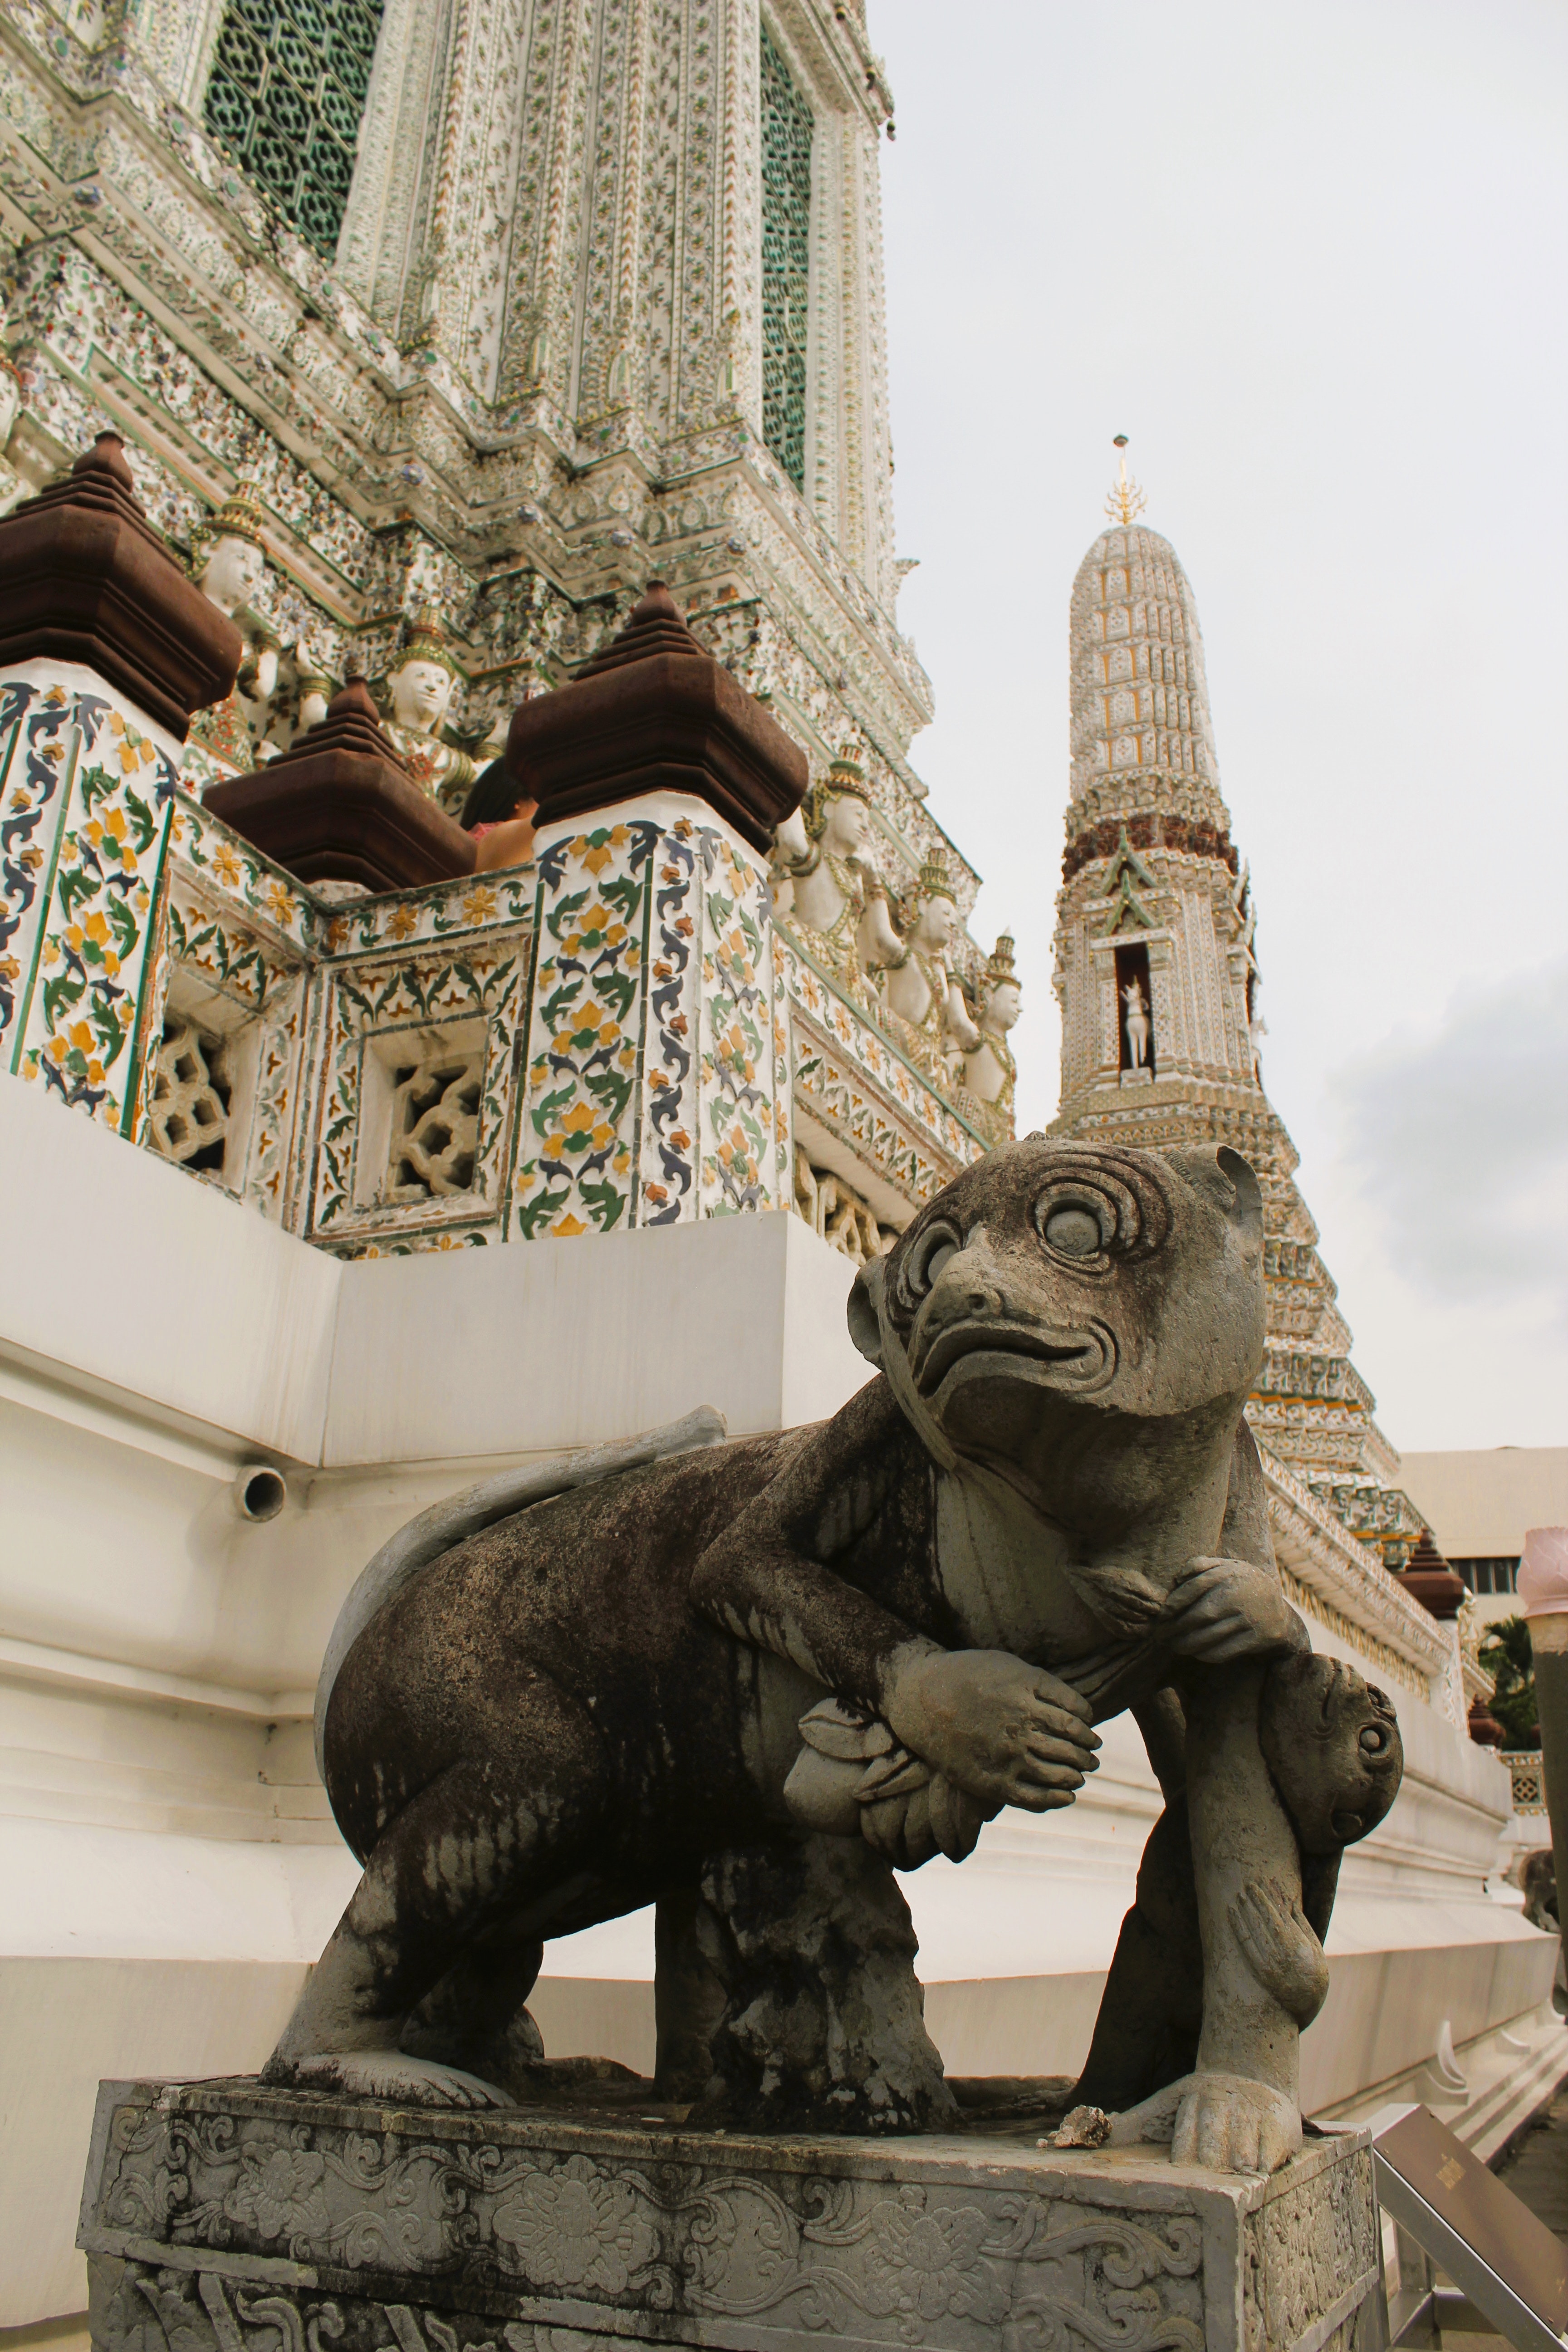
1313, 260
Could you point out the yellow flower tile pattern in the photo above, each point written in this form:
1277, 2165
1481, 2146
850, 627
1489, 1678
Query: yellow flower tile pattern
745, 1065
85, 802
577, 1123
653, 1089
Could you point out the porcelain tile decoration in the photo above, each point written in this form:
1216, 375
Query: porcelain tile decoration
88, 797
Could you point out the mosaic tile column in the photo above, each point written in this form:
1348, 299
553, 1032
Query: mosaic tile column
656, 1085
85, 793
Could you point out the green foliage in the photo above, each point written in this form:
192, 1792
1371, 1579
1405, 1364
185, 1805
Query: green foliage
1507, 1656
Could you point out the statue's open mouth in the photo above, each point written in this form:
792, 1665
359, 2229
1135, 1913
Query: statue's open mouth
950, 1347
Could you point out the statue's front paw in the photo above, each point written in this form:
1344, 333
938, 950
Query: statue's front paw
1227, 2123
386, 2075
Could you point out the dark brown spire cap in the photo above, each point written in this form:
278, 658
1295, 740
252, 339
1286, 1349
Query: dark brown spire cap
85, 577
350, 723
338, 806
1427, 1578
655, 712
656, 625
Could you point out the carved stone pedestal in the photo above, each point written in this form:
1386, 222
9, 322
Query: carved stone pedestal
220, 2217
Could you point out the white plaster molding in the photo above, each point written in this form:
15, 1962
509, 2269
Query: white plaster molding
67, 1669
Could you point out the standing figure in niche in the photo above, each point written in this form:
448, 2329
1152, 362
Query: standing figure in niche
420, 688
830, 890
229, 567
1135, 1012
919, 985
989, 1070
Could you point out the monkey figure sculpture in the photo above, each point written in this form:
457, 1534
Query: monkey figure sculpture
748, 1680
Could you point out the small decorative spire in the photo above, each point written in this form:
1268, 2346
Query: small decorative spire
999, 967
1126, 500
425, 639
933, 882
239, 517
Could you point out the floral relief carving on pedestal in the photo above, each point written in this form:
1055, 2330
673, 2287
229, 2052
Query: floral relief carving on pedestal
595, 2233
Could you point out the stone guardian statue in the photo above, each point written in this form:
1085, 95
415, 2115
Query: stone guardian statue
748, 1680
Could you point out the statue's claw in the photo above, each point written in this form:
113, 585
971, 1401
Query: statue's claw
386, 2074
1226, 2123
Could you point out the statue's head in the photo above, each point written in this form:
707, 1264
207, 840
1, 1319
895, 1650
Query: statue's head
1055, 1280
934, 914
1001, 998
839, 811
1332, 1744
234, 564
424, 678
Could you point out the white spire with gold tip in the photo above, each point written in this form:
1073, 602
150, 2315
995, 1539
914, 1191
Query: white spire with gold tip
1140, 695
1157, 976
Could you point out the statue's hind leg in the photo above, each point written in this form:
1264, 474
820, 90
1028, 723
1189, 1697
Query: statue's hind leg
490, 1840
476, 2019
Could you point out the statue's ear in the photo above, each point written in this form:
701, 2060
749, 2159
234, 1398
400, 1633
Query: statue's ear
865, 1302
1247, 1207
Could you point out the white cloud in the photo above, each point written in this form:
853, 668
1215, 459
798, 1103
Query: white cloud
1457, 1142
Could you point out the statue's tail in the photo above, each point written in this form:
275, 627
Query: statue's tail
445, 1525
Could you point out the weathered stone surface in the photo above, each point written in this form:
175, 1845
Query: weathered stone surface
699, 1677
222, 2218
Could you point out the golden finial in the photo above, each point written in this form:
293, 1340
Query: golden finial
1126, 499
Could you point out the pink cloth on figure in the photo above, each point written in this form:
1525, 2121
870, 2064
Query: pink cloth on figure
1543, 1572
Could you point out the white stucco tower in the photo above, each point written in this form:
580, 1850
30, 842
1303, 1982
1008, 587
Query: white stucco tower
1157, 973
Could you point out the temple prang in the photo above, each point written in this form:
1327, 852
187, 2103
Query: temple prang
1158, 977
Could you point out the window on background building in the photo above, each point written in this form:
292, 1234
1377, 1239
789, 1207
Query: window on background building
1487, 1576
787, 261
285, 95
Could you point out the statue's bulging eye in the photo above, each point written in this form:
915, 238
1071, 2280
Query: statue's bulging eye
1373, 1739
926, 1260
1073, 1231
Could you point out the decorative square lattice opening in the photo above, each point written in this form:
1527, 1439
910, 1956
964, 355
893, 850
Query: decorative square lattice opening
435, 1127
787, 260
287, 90
193, 1096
